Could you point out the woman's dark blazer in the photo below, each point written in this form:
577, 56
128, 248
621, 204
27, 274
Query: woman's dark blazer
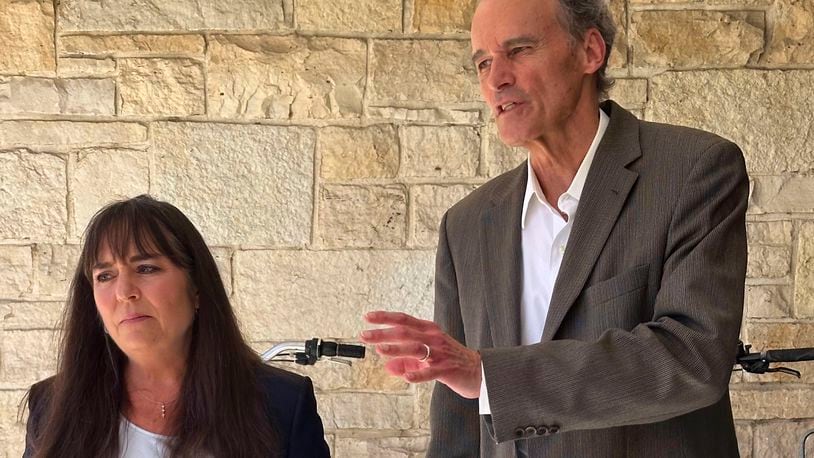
290, 403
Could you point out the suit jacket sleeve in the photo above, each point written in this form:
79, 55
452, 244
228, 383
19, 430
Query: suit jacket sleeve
307, 436
454, 420
678, 360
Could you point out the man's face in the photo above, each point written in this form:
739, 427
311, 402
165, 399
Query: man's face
531, 72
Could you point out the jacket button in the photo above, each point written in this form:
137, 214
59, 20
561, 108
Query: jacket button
542, 430
518, 432
530, 430
553, 428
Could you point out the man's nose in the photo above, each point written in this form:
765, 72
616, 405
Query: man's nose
501, 75
126, 287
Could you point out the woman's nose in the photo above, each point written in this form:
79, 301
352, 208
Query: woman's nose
126, 288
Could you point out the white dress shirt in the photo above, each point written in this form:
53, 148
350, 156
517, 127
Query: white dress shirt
544, 234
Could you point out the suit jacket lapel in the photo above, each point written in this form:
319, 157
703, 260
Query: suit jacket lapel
605, 192
501, 258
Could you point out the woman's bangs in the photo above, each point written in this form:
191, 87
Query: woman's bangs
118, 231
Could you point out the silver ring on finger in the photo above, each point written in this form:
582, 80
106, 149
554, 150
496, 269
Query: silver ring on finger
427, 356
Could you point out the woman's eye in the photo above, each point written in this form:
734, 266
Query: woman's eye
103, 277
147, 269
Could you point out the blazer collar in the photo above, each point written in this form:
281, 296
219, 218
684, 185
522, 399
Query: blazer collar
501, 257
606, 189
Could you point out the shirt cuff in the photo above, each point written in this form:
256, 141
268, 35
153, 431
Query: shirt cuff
483, 400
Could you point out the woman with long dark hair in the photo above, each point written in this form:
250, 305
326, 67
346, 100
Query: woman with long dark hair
152, 362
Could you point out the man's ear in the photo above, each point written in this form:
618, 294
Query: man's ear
594, 47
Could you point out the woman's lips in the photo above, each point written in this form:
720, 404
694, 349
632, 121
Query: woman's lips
134, 319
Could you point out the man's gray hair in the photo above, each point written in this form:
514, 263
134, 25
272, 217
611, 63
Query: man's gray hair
577, 16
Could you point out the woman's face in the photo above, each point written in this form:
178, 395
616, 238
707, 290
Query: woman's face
146, 303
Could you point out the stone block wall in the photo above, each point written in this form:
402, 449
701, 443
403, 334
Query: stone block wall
316, 145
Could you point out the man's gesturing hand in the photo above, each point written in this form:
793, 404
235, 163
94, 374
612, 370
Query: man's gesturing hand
418, 351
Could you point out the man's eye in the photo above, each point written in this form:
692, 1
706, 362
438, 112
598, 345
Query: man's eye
517, 49
483, 65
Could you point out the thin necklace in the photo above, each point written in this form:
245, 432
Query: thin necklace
163, 404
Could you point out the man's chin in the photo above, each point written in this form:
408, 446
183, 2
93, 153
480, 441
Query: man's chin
512, 139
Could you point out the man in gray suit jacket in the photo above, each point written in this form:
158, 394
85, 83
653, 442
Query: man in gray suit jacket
588, 303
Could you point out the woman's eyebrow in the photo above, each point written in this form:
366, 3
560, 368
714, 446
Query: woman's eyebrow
135, 258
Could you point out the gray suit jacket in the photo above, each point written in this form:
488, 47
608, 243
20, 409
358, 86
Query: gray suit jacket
641, 333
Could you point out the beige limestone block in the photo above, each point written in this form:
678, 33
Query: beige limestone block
28, 95
27, 34
744, 433
501, 158
161, 87
423, 397
443, 16
103, 175
773, 125
33, 192
775, 233
240, 184
422, 71
693, 39
768, 262
27, 356
15, 276
367, 16
57, 96
804, 273
776, 194
430, 202
618, 57
791, 33
769, 404
349, 153
185, 15
87, 96
767, 301
223, 259
55, 266
22, 316
282, 77
79, 66
630, 93
70, 133
362, 216
780, 335
365, 410
12, 429
426, 115
288, 295
383, 447
428, 151
781, 438
131, 45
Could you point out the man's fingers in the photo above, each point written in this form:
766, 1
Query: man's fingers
395, 334
401, 366
411, 350
398, 318
423, 375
